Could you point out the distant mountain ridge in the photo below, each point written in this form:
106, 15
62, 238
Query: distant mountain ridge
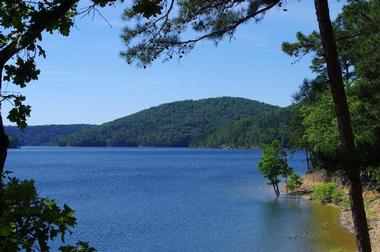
253, 131
213, 122
43, 134
176, 124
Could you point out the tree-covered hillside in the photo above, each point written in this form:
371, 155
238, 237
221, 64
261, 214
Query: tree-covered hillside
43, 135
179, 123
253, 131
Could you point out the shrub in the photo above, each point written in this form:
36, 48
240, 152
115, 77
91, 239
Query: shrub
295, 181
328, 193
29, 222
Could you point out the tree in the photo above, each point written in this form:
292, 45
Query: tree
273, 164
297, 139
349, 154
295, 181
158, 33
23, 23
358, 35
28, 221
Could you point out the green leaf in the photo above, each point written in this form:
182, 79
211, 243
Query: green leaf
148, 8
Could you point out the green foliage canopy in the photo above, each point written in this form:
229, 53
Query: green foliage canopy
253, 131
328, 193
295, 181
174, 124
29, 222
357, 36
164, 30
274, 164
22, 23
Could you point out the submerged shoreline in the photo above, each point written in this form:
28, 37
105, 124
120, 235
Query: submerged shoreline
310, 180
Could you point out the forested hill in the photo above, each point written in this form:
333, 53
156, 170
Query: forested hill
180, 124
253, 131
44, 134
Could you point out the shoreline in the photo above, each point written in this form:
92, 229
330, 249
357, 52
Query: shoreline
372, 204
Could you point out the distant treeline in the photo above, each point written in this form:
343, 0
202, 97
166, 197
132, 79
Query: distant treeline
42, 135
253, 131
214, 122
176, 124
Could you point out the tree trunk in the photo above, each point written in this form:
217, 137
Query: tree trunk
42, 20
349, 156
3, 137
278, 190
307, 158
3, 146
275, 188
313, 162
4, 142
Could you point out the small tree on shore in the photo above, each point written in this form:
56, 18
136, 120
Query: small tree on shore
274, 164
295, 181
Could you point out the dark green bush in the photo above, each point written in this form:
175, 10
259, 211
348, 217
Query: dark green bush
328, 193
295, 181
28, 222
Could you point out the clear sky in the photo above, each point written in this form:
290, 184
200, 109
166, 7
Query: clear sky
84, 80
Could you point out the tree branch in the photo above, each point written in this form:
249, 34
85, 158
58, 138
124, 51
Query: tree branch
227, 29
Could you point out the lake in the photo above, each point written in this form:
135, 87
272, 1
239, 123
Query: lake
177, 199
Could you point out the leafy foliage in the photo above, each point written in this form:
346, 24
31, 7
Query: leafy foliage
22, 25
274, 164
268, 123
174, 124
78, 247
294, 182
328, 193
358, 36
147, 8
29, 222
253, 131
162, 28
20, 45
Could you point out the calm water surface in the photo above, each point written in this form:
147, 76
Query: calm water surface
174, 199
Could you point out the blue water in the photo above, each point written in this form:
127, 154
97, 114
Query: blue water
171, 199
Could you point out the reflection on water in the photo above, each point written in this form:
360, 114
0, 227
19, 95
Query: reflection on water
312, 226
326, 227
169, 199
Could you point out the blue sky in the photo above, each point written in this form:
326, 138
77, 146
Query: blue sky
84, 80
